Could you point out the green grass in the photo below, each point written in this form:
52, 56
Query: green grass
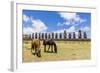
67, 50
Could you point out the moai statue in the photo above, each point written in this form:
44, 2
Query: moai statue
74, 36
42, 35
35, 35
45, 35
39, 35
69, 35
56, 36
52, 35
65, 34
32, 35
85, 35
60, 35
29, 37
49, 36
79, 34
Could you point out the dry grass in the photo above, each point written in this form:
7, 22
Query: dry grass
67, 50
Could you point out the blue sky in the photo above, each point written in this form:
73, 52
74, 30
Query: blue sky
54, 21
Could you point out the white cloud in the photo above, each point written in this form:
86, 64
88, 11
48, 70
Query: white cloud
67, 16
71, 29
86, 28
60, 24
37, 26
59, 31
67, 23
71, 18
25, 18
28, 30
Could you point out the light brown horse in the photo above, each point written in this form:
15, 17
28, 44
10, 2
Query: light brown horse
35, 46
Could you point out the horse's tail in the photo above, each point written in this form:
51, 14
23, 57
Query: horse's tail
55, 47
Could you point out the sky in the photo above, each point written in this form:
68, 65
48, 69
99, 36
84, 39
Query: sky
55, 21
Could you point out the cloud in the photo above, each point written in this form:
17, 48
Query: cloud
71, 18
28, 30
71, 29
67, 16
25, 18
67, 23
86, 28
60, 24
36, 25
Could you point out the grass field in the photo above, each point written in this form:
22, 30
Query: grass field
67, 50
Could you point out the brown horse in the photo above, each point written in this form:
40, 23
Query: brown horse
35, 45
51, 44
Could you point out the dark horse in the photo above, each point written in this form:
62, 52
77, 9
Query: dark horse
35, 46
51, 44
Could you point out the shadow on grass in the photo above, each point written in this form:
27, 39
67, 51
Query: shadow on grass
49, 52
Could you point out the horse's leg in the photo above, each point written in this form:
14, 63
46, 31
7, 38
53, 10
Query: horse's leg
44, 48
35, 48
48, 47
32, 48
51, 48
39, 53
36, 51
55, 48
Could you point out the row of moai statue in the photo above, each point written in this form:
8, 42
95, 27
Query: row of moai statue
65, 35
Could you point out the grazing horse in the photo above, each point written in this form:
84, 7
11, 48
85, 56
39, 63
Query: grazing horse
35, 45
51, 44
